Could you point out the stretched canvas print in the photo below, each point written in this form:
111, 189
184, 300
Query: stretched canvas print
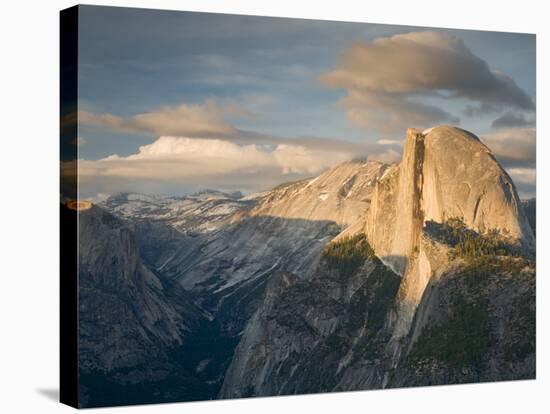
256, 206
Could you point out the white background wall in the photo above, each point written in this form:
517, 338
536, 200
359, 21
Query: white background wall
29, 206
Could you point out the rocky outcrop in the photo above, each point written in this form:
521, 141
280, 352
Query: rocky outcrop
307, 333
285, 231
128, 320
227, 267
367, 276
341, 195
282, 229
445, 173
474, 324
450, 248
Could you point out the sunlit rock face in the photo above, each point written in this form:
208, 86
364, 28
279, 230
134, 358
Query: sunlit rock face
341, 194
463, 179
338, 282
234, 240
402, 317
445, 173
308, 335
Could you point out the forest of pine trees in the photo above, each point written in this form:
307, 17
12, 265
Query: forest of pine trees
469, 245
348, 254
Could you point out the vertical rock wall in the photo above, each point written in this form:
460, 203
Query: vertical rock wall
445, 173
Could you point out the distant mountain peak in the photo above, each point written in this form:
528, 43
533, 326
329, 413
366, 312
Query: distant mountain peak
208, 191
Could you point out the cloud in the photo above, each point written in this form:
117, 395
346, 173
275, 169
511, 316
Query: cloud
201, 162
388, 156
390, 142
525, 180
523, 175
188, 120
179, 165
384, 79
513, 120
513, 147
390, 113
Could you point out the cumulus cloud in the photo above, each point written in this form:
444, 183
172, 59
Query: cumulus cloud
513, 120
189, 120
384, 79
201, 162
513, 147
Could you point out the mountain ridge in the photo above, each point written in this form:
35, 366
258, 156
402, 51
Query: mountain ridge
345, 274
400, 226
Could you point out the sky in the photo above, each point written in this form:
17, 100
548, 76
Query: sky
175, 102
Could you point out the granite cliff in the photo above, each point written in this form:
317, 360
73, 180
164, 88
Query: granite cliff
366, 276
129, 320
445, 173
441, 249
